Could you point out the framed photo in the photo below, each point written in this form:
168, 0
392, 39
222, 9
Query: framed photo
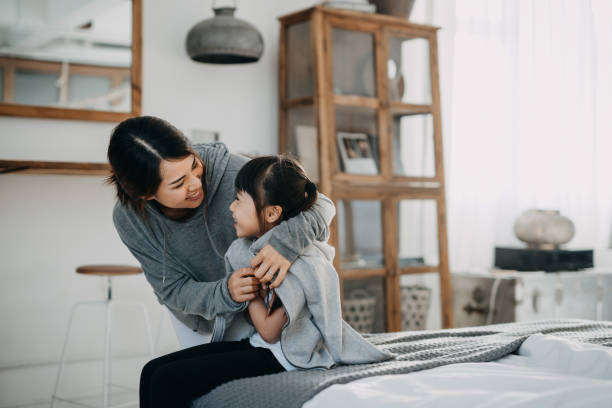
307, 150
356, 153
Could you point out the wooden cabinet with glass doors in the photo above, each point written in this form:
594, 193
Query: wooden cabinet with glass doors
360, 108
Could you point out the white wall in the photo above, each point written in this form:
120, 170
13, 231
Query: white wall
51, 224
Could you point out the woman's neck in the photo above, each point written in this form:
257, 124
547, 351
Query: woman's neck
176, 214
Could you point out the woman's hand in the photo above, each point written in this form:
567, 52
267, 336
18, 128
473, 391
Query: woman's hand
268, 262
242, 285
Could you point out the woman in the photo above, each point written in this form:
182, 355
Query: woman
172, 214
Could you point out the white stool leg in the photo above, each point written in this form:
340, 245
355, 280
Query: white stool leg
149, 332
159, 329
65, 346
107, 346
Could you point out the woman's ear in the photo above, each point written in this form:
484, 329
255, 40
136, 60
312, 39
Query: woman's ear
273, 213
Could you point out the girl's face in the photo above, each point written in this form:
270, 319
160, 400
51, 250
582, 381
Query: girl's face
245, 216
181, 185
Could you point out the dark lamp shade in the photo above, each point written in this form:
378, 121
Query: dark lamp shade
224, 39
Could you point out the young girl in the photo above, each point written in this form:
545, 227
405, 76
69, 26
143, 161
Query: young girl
296, 326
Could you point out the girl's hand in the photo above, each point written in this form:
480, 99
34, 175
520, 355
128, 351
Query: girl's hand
242, 285
270, 261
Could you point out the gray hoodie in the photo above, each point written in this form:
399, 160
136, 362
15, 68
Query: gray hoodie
315, 336
183, 260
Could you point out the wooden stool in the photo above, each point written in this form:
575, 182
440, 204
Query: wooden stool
108, 271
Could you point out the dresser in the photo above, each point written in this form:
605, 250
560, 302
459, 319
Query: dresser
501, 296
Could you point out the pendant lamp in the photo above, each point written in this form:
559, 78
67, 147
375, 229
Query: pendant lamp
224, 39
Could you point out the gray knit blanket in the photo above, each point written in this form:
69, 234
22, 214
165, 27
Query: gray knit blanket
415, 351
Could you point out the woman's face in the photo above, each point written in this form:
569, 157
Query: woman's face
181, 185
245, 216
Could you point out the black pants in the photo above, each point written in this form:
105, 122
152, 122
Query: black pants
175, 379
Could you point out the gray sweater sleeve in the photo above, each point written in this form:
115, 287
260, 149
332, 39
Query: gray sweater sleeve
174, 286
290, 237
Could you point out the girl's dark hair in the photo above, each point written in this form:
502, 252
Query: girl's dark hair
277, 180
135, 151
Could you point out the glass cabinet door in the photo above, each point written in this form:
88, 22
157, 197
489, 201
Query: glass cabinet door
364, 305
360, 234
357, 140
417, 233
413, 145
420, 301
353, 63
302, 139
408, 70
299, 61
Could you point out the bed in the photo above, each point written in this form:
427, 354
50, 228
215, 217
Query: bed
552, 363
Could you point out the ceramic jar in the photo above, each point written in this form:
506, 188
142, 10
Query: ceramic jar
397, 8
543, 229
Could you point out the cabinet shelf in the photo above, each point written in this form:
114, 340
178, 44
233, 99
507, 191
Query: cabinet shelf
410, 109
53, 167
356, 101
303, 101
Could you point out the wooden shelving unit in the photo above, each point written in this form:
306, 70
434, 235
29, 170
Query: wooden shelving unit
51, 167
359, 105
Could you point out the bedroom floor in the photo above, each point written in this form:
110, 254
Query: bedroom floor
89, 393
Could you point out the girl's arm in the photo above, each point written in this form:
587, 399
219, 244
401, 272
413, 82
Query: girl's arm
269, 326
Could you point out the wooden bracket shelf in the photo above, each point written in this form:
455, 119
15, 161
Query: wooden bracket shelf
51, 167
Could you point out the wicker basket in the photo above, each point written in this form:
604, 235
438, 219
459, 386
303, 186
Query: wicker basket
415, 302
358, 310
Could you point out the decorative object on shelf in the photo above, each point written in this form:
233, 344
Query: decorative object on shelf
543, 229
396, 80
353, 5
397, 8
356, 153
415, 302
224, 39
358, 310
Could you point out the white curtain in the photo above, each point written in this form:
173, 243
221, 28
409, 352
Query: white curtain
527, 118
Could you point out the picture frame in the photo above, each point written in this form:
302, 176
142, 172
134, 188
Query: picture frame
356, 153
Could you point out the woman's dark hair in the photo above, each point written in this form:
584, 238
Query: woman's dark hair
277, 180
135, 151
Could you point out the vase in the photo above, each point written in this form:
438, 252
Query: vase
543, 229
397, 8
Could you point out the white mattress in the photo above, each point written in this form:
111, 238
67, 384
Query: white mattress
547, 372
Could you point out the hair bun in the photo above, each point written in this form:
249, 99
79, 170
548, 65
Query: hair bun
310, 188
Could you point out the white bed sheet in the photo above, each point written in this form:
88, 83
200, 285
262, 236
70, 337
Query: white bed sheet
547, 371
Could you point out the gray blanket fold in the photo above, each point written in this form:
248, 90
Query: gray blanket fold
417, 351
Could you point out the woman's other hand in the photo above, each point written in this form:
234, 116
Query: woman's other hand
268, 262
242, 285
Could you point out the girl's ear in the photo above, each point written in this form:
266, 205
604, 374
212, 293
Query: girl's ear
273, 213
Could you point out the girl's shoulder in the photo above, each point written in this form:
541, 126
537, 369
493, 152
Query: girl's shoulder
240, 250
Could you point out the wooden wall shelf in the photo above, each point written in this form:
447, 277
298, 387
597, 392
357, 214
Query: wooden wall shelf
52, 167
